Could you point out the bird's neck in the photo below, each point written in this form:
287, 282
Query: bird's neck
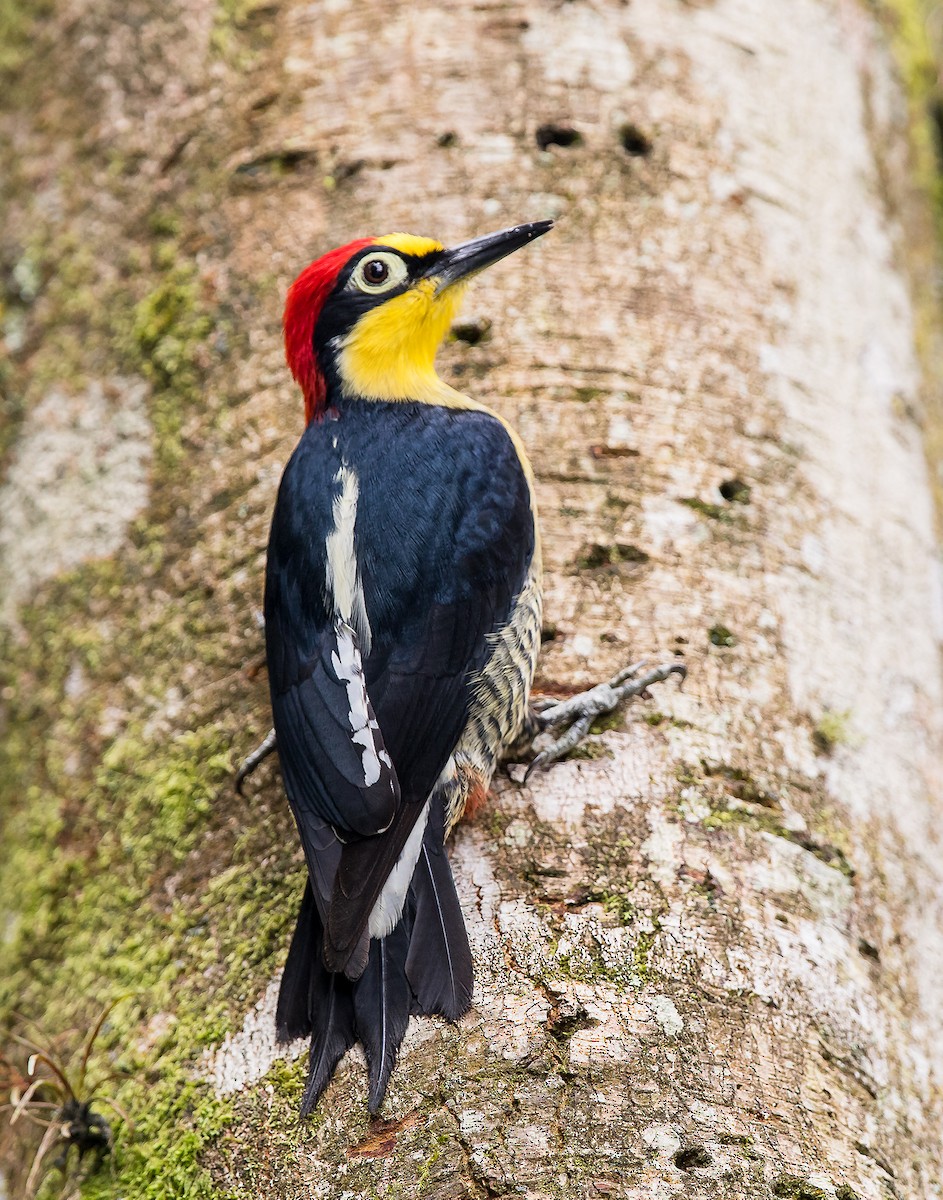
412, 382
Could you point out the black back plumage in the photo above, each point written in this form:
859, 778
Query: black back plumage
444, 538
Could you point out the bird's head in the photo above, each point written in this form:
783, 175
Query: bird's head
367, 318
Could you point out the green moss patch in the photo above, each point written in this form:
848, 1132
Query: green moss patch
792, 1187
18, 19
832, 729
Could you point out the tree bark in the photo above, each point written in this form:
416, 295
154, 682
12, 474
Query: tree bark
708, 953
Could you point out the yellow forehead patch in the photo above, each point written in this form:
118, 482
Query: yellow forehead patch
409, 243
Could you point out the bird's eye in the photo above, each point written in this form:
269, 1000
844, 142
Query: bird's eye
379, 273
376, 271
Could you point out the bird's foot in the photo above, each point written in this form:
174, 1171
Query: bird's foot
578, 713
258, 754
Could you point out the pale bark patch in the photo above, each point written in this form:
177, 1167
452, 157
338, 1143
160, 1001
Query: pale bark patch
78, 478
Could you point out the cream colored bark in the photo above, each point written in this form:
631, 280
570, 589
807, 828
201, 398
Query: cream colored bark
729, 307
710, 961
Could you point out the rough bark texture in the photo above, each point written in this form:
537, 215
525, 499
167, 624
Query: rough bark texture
709, 952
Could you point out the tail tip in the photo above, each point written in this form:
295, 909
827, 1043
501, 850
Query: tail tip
377, 1096
314, 1090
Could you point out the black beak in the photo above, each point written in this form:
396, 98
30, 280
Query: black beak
470, 257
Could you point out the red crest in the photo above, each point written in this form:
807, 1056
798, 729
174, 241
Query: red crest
303, 305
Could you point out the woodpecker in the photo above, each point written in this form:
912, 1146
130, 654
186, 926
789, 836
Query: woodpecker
402, 625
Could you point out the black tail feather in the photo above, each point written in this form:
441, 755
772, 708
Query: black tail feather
439, 962
382, 1000
334, 1032
312, 1000
423, 966
293, 1015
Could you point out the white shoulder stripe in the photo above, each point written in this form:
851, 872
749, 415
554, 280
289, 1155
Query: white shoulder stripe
344, 585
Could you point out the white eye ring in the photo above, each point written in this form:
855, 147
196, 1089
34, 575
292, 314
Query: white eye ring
379, 272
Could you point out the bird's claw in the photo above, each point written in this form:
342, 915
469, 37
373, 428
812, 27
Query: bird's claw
261, 752
579, 712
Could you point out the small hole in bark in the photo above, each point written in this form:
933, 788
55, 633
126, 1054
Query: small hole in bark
868, 949
284, 161
349, 170
594, 556
562, 1028
692, 1157
449, 138
557, 135
472, 331
634, 142
735, 490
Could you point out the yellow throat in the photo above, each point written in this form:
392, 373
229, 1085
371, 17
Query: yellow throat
390, 352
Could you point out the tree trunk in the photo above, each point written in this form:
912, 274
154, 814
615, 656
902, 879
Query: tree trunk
708, 951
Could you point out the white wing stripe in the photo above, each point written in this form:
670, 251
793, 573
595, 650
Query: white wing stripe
364, 730
344, 585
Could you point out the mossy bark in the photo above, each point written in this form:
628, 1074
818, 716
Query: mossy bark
707, 953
